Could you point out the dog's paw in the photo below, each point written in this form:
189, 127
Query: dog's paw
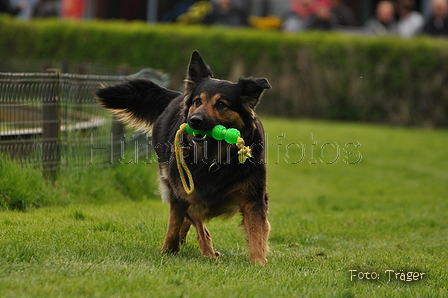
171, 248
260, 261
211, 254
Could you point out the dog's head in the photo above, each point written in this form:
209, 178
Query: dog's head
209, 101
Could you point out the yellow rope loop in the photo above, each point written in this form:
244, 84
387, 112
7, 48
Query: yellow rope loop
244, 151
181, 165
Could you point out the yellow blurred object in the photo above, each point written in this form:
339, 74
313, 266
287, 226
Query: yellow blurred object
269, 22
195, 13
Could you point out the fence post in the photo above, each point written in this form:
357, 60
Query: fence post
118, 129
51, 127
118, 132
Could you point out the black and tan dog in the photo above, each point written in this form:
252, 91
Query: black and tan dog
223, 186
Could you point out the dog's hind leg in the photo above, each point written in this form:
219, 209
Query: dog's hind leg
257, 228
178, 211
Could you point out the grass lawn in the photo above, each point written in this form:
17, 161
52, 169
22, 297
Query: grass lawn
347, 201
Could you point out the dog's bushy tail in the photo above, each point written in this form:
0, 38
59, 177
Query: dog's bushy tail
137, 102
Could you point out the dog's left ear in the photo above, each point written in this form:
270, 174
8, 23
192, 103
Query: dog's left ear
197, 71
251, 90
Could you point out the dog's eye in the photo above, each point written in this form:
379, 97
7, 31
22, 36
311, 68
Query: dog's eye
220, 104
197, 101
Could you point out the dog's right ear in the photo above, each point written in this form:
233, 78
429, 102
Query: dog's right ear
197, 71
251, 90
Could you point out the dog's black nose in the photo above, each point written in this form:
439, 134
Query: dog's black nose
196, 122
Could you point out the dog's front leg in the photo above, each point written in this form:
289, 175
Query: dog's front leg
178, 211
202, 234
257, 228
184, 231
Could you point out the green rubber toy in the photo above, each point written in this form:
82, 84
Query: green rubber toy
219, 133
232, 135
191, 131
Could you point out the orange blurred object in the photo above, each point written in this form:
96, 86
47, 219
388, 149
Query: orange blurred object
72, 9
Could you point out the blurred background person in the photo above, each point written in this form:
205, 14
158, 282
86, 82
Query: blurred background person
8, 8
309, 14
45, 9
410, 22
343, 14
226, 13
322, 19
384, 20
298, 18
437, 24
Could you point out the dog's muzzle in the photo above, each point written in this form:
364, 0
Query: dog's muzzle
197, 122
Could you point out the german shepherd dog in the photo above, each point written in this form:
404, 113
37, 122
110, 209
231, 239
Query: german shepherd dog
223, 186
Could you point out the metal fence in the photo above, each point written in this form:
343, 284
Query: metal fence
51, 121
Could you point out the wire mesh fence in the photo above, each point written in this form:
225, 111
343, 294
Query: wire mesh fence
51, 121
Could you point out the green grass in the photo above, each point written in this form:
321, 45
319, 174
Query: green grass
100, 232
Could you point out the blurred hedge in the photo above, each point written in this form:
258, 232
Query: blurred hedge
315, 74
